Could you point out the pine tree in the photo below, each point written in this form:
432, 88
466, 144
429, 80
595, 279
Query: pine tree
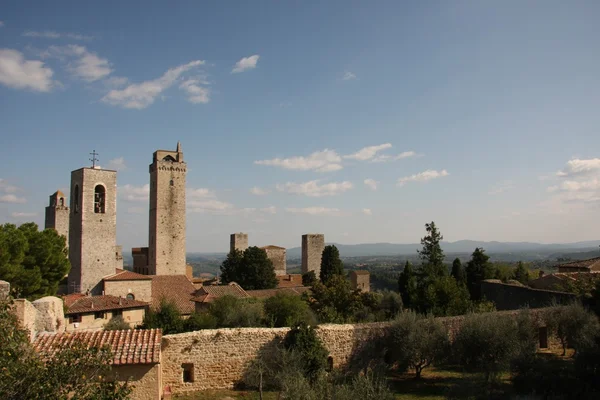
257, 270
478, 269
432, 255
407, 284
458, 272
330, 263
231, 267
521, 274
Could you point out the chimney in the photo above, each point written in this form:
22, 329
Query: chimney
120, 300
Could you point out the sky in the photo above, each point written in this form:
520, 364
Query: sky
360, 120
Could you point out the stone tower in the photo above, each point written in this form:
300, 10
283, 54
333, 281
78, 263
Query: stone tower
238, 241
166, 242
92, 229
312, 250
57, 214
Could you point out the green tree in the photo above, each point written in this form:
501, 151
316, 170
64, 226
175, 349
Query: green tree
431, 254
303, 339
335, 302
521, 274
478, 269
407, 285
309, 278
200, 320
330, 263
231, 268
573, 325
167, 317
416, 342
286, 310
116, 323
231, 312
445, 297
32, 261
76, 373
458, 272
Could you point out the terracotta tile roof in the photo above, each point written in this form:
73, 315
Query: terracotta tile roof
71, 298
272, 246
289, 280
140, 346
125, 275
592, 264
102, 303
177, 289
265, 293
207, 294
361, 272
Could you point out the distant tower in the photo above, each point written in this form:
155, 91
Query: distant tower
92, 228
166, 242
312, 250
57, 214
238, 241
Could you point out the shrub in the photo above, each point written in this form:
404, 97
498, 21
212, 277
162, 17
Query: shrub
573, 325
390, 304
231, 312
116, 324
200, 320
416, 342
313, 356
365, 387
167, 318
309, 278
287, 310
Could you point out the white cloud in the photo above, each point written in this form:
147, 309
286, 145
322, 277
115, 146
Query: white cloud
367, 153
13, 199
423, 176
117, 164
367, 211
82, 63
200, 193
141, 95
7, 187
385, 157
196, 93
313, 189
578, 167
315, 211
348, 76
245, 63
1, 24
501, 187
134, 193
405, 154
320, 161
23, 215
19, 73
371, 183
116, 81
56, 35
258, 191
212, 206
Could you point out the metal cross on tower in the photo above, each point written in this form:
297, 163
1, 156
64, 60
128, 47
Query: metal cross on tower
94, 159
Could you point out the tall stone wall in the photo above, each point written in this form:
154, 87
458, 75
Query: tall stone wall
312, 250
513, 297
238, 241
141, 289
277, 256
220, 356
57, 215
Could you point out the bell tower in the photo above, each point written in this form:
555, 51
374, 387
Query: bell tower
57, 215
166, 242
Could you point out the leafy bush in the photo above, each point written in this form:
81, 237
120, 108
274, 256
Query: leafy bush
116, 323
416, 342
309, 278
231, 312
167, 318
313, 356
573, 325
200, 320
287, 310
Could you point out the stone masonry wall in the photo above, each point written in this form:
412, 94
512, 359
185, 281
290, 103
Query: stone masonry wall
141, 289
238, 241
57, 218
312, 250
220, 356
513, 297
277, 256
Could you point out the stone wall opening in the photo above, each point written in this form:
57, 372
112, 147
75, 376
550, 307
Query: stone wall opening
543, 334
187, 372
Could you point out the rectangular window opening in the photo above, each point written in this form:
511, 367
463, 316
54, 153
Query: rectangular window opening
188, 372
99, 315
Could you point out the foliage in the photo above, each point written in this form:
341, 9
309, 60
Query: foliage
251, 269
335, 302
521, 274
167, 318
74, 373
231, 312
431, 255
573, 325
200, 320
445, 297
478, 269
309, 278
117, 323
32, 261
416, 342
331, 264
390, 304
407, 285
287, 310
458, 272
303, 339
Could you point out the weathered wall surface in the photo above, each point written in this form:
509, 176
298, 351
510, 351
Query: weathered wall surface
220, 356
134, 317
141, 289
43, 315
57, 218
238, 241
312, 250
513, 297
146, 379
277, 256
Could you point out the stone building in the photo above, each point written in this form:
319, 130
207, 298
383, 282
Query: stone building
590, 265
238, 241
360, 280
93, 312
166, 241
277, 255
140, 260
57, 214
312, 250
93, 251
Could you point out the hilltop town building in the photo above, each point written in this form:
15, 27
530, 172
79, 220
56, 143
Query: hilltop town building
277, 255
360, 280
238, 241
93, 251
312, 250
166, 242
57, 214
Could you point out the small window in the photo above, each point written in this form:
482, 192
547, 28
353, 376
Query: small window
99, 315
99, 199
75, 199
543, 334
75, 318
329, 363
130, 296
188, 372
168, 158
117, 313
172, 183
62, 201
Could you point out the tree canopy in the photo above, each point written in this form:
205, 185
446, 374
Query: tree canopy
32, 261
251, 269
330, 263
431, 254
478, 269
458, 272
407, 285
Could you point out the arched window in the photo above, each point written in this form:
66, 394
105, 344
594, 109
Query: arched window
62, 201
169, 158
75, 199
130, 296
172, 182
99, 199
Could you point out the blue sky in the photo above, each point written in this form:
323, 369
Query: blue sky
361, 120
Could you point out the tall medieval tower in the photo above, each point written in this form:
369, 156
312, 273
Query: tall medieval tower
166, 242
92, 229
57, 215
